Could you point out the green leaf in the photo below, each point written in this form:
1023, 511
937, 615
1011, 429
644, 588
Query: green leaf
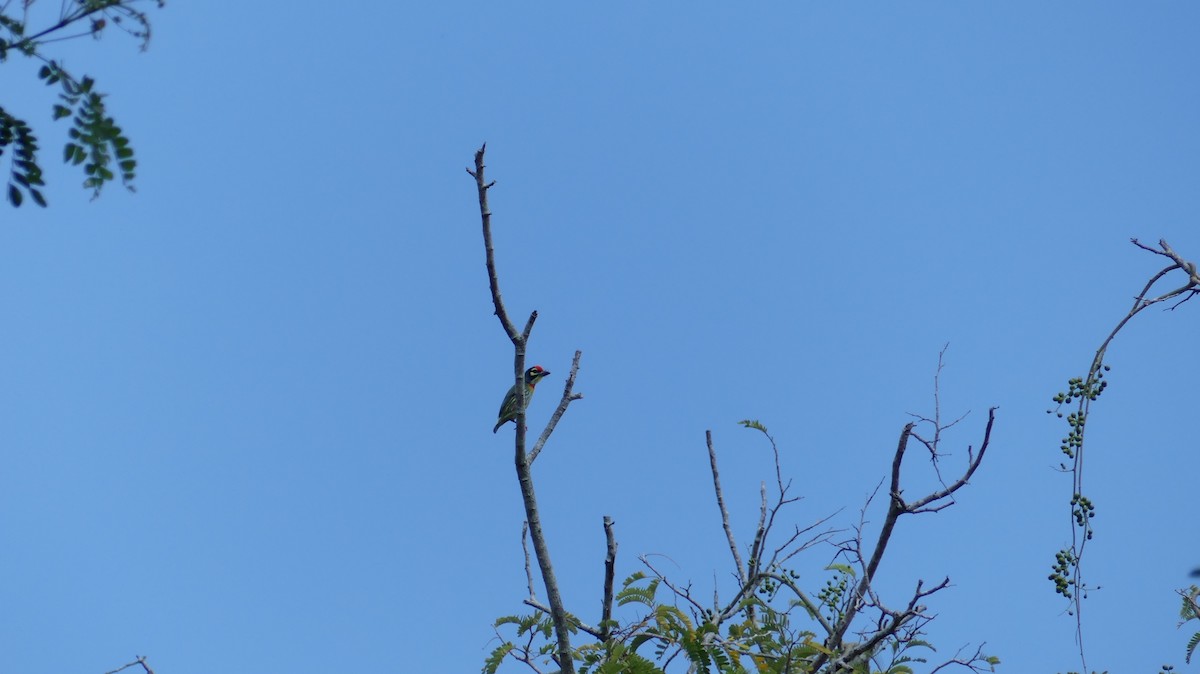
14, 195
753, 423
37, 197
507, 620
841, 568
493, 661
61, 111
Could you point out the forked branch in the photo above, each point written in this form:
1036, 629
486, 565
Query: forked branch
558, 613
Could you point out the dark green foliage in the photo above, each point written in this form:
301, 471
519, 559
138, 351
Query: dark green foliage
1188, 613
1081, 392
96, 143
95, 137
25, 176
761, 637
833, 595
1063, 572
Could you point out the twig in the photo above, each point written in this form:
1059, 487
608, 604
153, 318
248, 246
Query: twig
525, 549
141, 660
567, 398
973, 461
583, 627
969, 663
684, 593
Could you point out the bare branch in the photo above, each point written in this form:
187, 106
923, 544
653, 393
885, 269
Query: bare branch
712, 461
975, 663
895, 508
760, 533
485, 214
558, 613
820, 537
567, 398
528, 569
610, 562
973, 464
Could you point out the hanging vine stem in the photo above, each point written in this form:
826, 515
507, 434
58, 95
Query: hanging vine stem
1067, 574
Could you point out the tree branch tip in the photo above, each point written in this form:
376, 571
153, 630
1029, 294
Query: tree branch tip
489, 185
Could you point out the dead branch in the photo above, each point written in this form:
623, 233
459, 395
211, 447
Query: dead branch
863, 594
610, 562
712, 461
558, 613
567, 398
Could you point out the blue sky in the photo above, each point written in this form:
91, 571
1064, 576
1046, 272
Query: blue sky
247, 410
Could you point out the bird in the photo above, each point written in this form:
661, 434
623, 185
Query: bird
508, 408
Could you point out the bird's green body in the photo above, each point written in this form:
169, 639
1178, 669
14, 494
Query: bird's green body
512, 401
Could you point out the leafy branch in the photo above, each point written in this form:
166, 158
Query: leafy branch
97, 143
1067, 571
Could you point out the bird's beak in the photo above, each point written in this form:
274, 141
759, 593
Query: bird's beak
545, 373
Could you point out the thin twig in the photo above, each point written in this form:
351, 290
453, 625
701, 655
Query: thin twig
684, 593
973, 464
141, 660
525, 549
583, 627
